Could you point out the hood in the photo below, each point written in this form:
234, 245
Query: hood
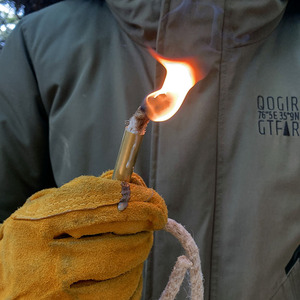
247, 22
239, 22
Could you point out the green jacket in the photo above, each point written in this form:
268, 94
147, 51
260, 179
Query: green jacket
227, 163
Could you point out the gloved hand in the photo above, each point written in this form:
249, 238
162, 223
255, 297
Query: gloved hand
72, 242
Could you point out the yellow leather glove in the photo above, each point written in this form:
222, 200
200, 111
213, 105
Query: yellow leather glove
72, 242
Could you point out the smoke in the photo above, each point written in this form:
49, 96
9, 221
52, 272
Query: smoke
196, 20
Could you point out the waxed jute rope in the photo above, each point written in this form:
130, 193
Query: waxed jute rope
188, 262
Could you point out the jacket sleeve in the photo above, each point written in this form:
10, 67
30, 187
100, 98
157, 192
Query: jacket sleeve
24, 156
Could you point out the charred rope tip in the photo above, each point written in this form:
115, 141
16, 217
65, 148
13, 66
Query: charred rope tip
125, 192
138, 122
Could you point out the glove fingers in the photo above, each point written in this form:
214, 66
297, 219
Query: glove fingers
135, 218
99, 257
124, 287
88, 193
138, 292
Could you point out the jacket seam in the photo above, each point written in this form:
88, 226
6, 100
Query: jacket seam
149, 265
213, 282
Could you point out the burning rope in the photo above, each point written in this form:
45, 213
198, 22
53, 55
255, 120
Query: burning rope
191, 261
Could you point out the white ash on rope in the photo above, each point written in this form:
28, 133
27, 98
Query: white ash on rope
138, 122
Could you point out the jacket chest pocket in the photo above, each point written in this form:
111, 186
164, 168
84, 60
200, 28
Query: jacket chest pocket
290, 287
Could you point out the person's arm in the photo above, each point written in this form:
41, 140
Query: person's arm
24, 156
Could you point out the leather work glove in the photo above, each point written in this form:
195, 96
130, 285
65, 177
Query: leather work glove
72, 242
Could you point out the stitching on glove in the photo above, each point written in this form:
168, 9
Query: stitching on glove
53, 209
62, 200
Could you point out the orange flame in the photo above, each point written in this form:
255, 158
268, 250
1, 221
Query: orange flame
181, 76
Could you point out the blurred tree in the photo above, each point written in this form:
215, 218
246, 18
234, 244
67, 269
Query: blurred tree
33, 5
11, 11
10, 14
